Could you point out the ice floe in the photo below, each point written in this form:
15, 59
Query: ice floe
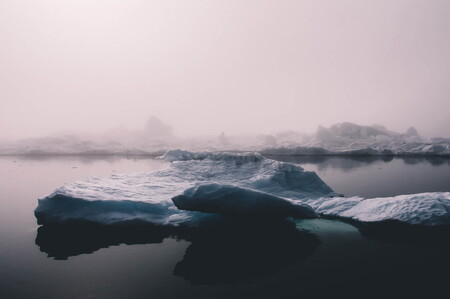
429, 209
198, 185
147, 197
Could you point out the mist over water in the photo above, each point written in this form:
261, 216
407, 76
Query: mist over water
239, 67
180, 149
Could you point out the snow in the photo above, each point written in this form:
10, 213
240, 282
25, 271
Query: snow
428, 209
198, 185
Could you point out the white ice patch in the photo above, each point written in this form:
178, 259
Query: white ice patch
429, 209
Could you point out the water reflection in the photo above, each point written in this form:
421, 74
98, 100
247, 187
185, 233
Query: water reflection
325, 162
434, 161
239, 252
346, 163
393, 231
63, 241
227, 251
84, 159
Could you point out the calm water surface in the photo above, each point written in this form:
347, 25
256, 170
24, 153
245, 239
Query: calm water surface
235, 259
378, 176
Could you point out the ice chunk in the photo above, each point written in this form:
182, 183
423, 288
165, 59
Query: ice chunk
427, 209
232, 200
431, 209
227, 183
63, 208
147, 197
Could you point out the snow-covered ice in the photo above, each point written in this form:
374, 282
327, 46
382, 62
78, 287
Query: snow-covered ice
147, 197
429, 209
202, 184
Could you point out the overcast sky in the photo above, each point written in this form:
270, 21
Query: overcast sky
236, 66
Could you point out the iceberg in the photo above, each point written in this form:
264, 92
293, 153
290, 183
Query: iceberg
343, 139
348, 139
200, 186
147, 197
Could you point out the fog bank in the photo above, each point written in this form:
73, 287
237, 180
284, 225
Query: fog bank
239, 67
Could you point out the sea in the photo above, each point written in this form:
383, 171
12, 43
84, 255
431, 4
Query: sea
256, 259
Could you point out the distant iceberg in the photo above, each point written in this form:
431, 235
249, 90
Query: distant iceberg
199, 185
343, 139
155, 138
348, 139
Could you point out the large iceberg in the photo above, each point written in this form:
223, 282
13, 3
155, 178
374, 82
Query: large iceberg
147, 197
197, 186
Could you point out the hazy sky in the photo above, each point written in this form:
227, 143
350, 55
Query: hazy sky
235, 66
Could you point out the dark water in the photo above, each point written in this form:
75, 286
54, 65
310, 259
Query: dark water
378, 176
230, 259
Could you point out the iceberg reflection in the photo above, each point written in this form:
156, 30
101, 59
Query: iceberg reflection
229, 253
226, 251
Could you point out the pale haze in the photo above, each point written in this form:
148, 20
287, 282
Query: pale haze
206, 67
